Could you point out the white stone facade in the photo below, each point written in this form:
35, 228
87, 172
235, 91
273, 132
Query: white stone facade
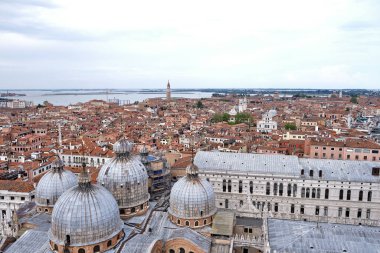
267, 124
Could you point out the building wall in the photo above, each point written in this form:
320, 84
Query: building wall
344, 153
248, 194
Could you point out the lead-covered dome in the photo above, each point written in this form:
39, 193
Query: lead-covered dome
52, 185
85, 215
192, 200
127, 179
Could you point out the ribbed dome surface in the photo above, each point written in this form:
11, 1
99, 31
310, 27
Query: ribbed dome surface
53, 184
127, 179
88, 215
122, 146
192, 197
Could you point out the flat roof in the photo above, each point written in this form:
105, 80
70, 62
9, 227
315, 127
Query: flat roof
301, 236
223, 223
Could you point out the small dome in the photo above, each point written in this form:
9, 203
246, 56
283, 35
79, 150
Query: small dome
53, 184
122, 146
85, 215
192, 197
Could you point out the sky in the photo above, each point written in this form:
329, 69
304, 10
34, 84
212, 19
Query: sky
194, 44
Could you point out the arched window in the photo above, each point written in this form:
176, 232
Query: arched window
133, 209
320, 173
96, 249
229, 185
268, 189
275, 189
251, 187
341, 194
361, 195
171, 251
67, 239
311, 173
369, 197
196, 223
181, 250
109, 243
81, 250
318, 193
240, 186
307, 193
348, 194
294, 190
241, 203
313, 193
224, 185
302, 172
204, 222
326, 193
187, 223
281, 189
289, 190
178, 221
269, 207
302, 192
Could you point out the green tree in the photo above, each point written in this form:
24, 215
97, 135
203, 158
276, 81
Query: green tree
199, 104
290, 126
354, 100
243, 118
225, 116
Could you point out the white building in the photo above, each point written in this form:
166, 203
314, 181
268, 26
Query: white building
243, 104
267, 124
288, 187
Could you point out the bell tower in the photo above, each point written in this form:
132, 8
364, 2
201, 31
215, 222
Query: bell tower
168, 91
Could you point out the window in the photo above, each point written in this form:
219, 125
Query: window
171, 251
240, 186
359, 213
318, 193
311, 173
313, 193
294, 190
341, 194
275, 189
187, 223
302, 192
325, 211
251, 187
267, 189
302, 172
360, 195
347, 212
348, 157
229, 185
96, 249
289, 190
292, 208
22, 198
226, 203
281, 189
276, 207
317, 210
320, 173
178, 221
348, 194
302, 209
81, 250
181, 250
368, 215
196, 223
204, 222
269, 207
340, 211
224, 185
369, 197
307, 193
12, 198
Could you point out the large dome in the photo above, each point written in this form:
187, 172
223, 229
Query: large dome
192, 199
85, 215
52, 185
127, 179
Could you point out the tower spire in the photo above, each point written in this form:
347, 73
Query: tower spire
168, 91
84, 177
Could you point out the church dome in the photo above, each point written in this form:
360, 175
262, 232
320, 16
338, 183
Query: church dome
127, 179
52, 185
85, 215
192, 200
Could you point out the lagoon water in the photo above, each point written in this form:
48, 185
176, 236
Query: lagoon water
67, 97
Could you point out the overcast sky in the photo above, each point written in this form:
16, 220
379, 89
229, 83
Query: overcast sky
195, 44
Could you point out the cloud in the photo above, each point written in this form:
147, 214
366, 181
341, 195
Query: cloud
212, 43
